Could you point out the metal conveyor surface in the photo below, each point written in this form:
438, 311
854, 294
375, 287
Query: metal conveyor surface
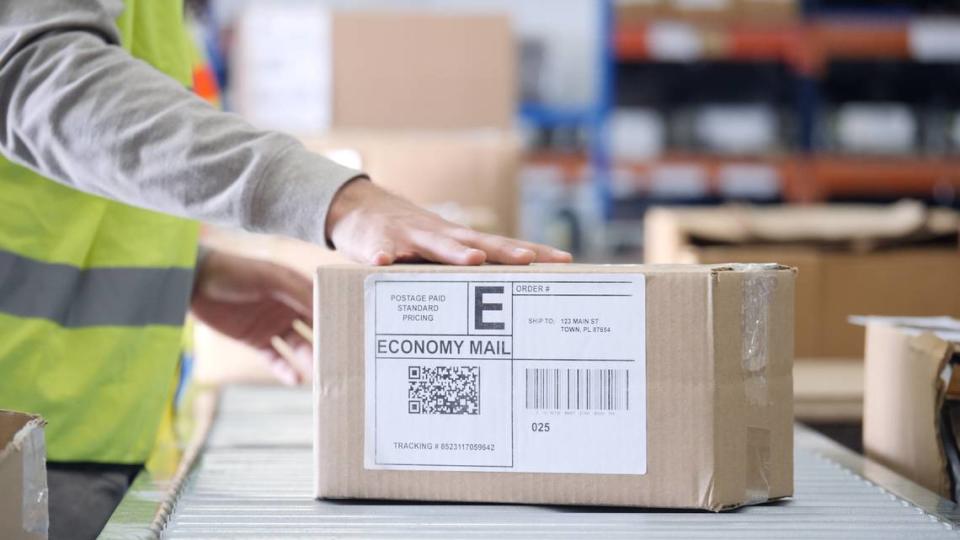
254, 480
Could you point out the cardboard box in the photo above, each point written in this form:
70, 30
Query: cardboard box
428, 71
23, 477
768, 11
470, 384
885, 260
908, 375
711, 12
638, 11
305, 69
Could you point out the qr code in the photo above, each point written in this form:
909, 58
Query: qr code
443, 390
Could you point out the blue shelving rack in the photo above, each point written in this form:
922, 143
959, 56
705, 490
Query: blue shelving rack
594, 116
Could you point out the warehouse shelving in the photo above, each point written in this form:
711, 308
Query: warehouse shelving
805, 45
809, 172
804, 178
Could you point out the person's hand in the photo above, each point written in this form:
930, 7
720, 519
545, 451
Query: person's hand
371, 225
253, 301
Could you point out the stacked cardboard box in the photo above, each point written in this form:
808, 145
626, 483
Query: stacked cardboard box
558, 384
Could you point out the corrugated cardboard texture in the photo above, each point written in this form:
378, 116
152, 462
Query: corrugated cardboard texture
22, 475
833, 282
901, 403
710, 444
472, 169
423, 71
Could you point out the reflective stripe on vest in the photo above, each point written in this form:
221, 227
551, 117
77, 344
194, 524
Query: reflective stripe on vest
74, 297
93, 293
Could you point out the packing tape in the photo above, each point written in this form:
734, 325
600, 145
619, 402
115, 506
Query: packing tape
759, 285
758, 465
34, 510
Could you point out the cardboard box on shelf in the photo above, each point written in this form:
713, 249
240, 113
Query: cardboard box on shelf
23, 477
556, 384
639, 11
724, 12
910, 382
305, 69
767, 11
899, 259
423, 71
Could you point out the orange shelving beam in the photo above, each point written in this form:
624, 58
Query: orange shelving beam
805, 45
571, 165
804, 179
631, 42
860, 40
852, 176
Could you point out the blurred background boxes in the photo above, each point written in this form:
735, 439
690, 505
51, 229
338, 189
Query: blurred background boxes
828, 393
416, 70
710, 11
303, 68
901, 259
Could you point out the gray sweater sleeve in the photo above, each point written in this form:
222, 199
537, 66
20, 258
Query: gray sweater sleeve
77, 108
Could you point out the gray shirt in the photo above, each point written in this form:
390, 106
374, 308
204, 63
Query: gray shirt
77, 108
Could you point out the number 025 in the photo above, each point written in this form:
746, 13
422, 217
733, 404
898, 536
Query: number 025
540, 427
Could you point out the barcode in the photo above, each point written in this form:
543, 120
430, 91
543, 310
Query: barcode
443, 390
578, 389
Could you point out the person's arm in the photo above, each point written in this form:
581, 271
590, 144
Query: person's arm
77, 108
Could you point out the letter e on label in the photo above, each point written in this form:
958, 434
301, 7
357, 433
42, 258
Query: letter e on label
479, 307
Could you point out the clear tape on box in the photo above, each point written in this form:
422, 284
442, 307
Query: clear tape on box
34, 510
759, 286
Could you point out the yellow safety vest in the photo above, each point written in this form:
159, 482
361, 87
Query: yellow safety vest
93, 293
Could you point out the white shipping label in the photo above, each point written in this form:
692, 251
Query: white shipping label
506, 372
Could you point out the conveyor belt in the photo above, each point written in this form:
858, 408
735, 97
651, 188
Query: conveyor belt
254, 480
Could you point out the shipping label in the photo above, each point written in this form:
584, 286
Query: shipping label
505, 372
